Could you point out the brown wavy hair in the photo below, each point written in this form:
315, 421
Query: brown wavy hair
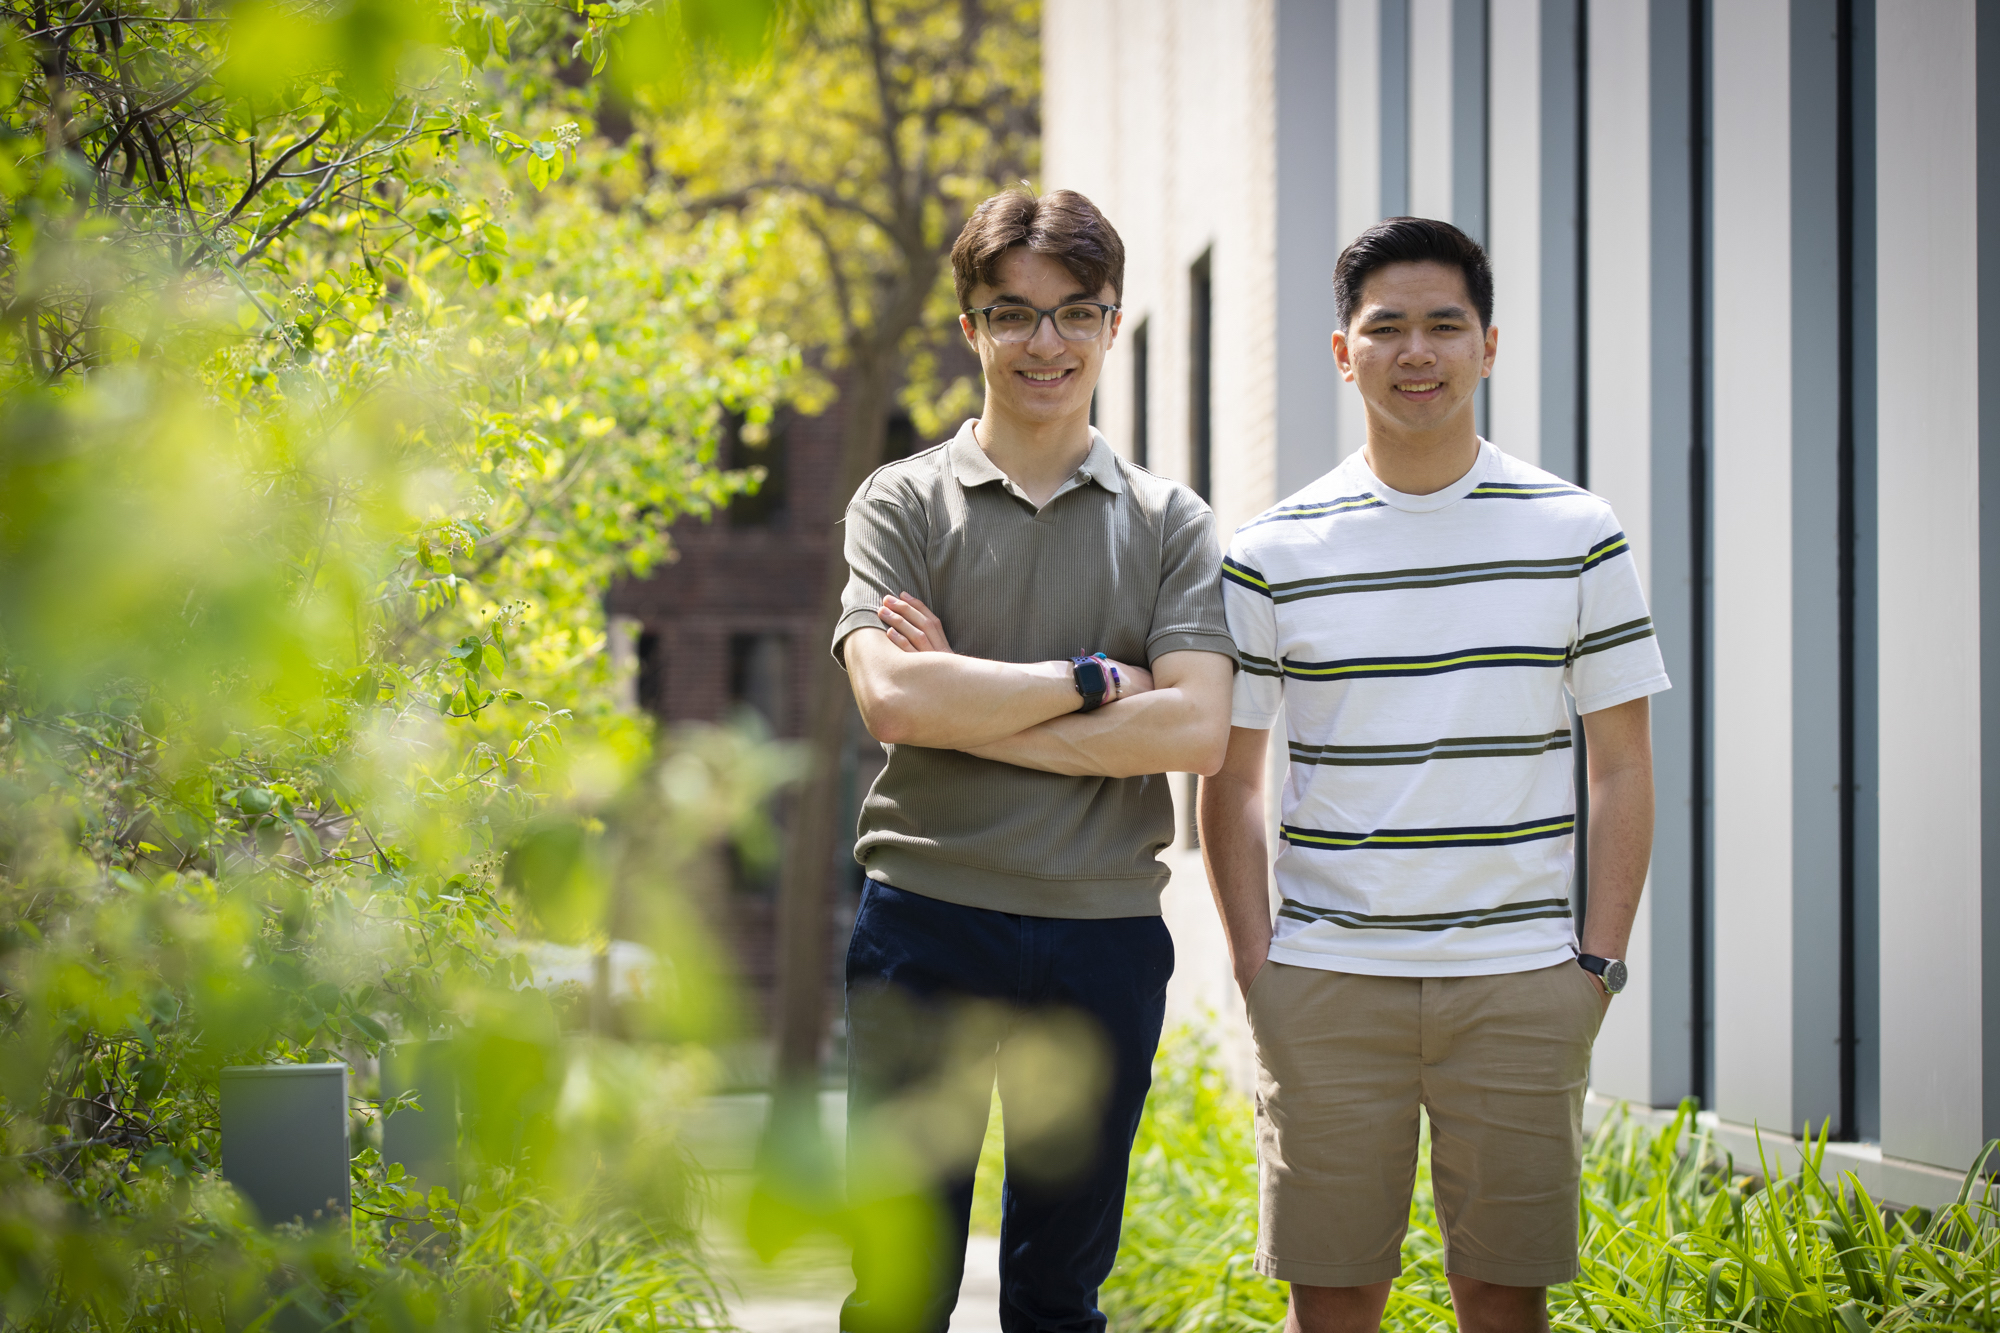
1062, 224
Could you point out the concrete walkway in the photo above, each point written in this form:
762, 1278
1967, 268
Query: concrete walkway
819, 1312
802, 1292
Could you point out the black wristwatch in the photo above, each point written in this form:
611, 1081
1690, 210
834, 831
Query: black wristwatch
1088, 675
1609, 970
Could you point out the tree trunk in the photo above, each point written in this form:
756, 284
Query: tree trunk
804, 890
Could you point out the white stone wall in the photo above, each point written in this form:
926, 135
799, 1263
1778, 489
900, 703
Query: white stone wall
1161, 112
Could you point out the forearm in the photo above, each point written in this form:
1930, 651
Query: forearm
948, 701
1621, 849
1236, 852
1161, 731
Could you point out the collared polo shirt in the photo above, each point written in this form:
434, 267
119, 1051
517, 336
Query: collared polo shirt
1118, 561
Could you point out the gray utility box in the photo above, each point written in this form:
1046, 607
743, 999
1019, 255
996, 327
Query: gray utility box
284, 1140
424, 1141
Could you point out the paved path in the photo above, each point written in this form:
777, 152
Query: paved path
802, 1292
819, 1312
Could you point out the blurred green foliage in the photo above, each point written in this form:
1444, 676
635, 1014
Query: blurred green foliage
1674, 1236
341, 368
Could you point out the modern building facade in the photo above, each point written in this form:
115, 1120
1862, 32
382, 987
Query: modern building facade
1740, 249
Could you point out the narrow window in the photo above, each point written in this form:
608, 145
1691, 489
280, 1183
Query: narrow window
748, 445
899, 438
758, 677
650, 679
1141, 348
1200, 389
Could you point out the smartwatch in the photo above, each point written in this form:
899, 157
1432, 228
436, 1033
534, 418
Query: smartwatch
1609, 970
1087, 673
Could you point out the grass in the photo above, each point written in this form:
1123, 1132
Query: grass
1674, 1237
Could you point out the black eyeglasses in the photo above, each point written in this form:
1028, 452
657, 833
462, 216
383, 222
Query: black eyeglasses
1076, 321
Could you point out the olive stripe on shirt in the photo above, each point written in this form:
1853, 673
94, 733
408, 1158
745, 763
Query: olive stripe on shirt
1440, 576
1539, 909
1422, 752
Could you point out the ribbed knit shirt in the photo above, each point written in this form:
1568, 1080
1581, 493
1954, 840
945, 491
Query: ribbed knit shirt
1423, 648
1117, 561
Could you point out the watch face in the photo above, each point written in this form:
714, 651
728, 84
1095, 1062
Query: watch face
1614, 976
1089, 677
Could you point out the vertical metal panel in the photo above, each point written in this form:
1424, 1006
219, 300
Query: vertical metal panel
1929, 410
1469, 144
1672, 159
1988, 200
1815, 562
1468, 117
1514, 219
1621, 407
284, 1140
1866, 849
1753, 564
1395, 112
1309, 240
1433, 102
1560, 219
1358, 79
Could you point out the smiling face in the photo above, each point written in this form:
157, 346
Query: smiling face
1046, 378
1415, 348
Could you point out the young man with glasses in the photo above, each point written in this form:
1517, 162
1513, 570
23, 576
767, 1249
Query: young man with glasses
1426, 614
1010, 841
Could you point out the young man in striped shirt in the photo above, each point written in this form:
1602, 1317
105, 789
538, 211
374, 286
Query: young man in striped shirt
1426, 613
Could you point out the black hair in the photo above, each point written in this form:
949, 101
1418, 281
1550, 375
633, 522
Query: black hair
1411, 241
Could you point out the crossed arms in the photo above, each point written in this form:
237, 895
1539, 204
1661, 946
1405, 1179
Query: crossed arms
913, 689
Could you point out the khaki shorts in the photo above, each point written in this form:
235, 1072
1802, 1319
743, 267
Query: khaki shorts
1500, 1064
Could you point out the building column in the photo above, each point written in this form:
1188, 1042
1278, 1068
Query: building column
1776, 548
1532, 216
1929, 361
1621, 419
1434, 101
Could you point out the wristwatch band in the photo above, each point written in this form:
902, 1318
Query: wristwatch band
1611, 971
1087, 674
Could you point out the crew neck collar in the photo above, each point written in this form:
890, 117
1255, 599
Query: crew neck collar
1425, 504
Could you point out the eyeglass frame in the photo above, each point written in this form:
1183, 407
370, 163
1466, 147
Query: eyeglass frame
1040, 315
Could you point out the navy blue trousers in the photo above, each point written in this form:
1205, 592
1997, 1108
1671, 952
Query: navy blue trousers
916, 967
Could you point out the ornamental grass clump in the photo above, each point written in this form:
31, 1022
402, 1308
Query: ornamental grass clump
1675, 1234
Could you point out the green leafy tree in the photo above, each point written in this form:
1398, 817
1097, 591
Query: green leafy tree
336, 388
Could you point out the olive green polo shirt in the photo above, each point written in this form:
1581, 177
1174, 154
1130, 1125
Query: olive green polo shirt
1118, 561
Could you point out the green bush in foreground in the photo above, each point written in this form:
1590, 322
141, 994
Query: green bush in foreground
1674, 1237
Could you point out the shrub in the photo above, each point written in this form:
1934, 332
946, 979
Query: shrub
1673, 1236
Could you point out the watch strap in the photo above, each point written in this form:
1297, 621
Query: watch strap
1091, 698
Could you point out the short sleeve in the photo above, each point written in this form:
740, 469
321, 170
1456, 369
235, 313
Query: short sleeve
884, 544
1253, 623
1187, 613
1616, 657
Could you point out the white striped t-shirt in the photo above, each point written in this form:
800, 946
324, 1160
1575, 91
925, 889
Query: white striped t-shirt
1421, 647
